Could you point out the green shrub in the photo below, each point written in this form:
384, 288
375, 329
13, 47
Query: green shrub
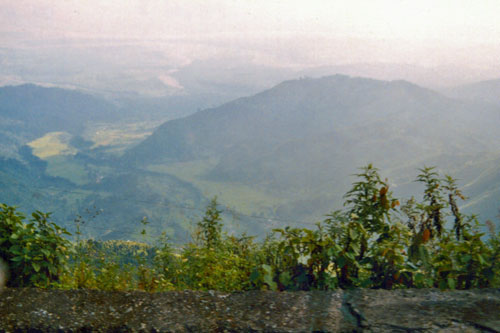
371, 243
216, 261
36, 252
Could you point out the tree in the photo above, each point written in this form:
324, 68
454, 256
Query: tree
211, 225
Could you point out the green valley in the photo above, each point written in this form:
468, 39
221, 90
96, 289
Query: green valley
282, 156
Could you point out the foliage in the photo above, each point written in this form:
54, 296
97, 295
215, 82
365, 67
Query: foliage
368, 244
364, 236
374, 242
299, 260
108, 265
216, 261
36, 252
210, 226
214, 269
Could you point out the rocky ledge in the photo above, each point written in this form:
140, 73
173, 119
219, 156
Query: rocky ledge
359, 310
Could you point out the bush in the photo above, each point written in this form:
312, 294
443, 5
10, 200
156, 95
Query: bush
36, 252
374, 242
216, 261
370, 244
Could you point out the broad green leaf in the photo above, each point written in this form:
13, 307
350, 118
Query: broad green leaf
355, 247
466, 258
267, 269
443, 284
36, 266
17, 258
254, 276
341, 261
451, 283
353, 233
269, 281
285, 279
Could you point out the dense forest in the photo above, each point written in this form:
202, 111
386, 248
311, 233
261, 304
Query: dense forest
375, 241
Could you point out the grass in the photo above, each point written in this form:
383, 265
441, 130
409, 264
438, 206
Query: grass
64, 167
55, 148
52, 144
119, 135
243, 198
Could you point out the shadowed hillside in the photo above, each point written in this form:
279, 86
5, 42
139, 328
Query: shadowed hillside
304, 137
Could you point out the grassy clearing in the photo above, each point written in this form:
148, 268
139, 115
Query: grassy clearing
121, 134
52, 144
245, 199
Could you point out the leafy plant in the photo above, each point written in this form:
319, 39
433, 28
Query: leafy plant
36, 252
300, 260
371, 243
363, 232
210, 226
454, 257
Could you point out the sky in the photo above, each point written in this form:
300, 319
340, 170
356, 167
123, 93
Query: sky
455, 21
289, 33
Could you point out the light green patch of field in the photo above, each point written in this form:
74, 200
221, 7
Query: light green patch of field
61, 166
120, 134
52, 144
243, 198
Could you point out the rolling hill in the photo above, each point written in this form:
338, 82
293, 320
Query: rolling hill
57, 152
482, 92
300, 140
28, 112
44, 110
281, 157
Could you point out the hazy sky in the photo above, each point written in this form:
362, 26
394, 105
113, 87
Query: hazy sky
278, 33
456, 21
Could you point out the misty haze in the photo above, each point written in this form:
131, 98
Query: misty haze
183, 123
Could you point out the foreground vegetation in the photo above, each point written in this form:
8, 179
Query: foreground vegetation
374, 242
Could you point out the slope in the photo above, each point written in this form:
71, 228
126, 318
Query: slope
72, 176
303, 138
483, 92
29, 111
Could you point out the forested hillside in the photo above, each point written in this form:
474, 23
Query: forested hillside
28, 112
300, 139
284, 155
57, 153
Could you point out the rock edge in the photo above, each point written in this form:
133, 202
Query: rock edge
360, 310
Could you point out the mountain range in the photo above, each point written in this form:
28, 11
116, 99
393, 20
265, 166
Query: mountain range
303, 138
284, 154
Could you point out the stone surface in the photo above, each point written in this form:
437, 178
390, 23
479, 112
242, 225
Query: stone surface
255, 311
424, 310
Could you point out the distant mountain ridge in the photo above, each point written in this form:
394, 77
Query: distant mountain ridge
74, 183
29, 111
309, 107
286, 153
483, 92
311, 134
286, 104
52, 109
